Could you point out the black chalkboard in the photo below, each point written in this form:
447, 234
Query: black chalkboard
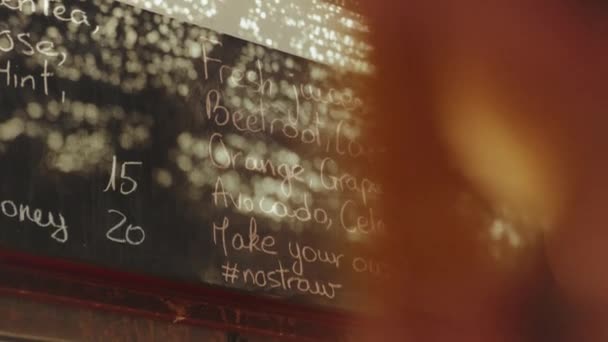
135, 142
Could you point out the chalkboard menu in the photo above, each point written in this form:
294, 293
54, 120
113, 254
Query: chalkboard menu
134, 141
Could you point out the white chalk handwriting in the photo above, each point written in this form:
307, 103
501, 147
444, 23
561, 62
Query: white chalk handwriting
132, 235
128, 185
23, 213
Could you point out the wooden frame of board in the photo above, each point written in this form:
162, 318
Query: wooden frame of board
66, 283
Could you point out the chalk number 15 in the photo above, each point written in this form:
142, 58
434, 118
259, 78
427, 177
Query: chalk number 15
128, 185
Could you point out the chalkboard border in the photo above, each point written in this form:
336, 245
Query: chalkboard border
65, 282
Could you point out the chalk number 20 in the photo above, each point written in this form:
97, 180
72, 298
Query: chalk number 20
133, 235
